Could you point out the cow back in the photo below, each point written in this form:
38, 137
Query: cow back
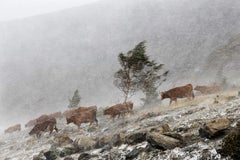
179, 92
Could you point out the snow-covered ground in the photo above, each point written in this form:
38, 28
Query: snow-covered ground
186, 114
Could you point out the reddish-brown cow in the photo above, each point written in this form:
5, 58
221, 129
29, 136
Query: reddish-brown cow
116, 110
70, 112
48, 124
56, 114
31, 123
178, 92
207, 89
12, 129
83, 117
129, 105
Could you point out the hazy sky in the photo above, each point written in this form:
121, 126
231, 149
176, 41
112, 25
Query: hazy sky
14, 9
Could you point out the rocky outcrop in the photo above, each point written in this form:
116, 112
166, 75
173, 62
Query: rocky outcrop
214, 128
163, 142
230, 145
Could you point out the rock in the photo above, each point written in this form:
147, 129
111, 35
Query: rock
51, 155
84, 156
116, 140
107, 147
62, 140
173, 135
68, 158
164, 128
214, 128
38, 158
230, 144
135, 138
206, 154
163, 142
68, 151
134, 153
103, 141
84, 143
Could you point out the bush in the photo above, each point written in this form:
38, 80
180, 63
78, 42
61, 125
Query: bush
231, 145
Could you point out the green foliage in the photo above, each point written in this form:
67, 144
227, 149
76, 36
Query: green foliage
139, 73
231, 145
75, 100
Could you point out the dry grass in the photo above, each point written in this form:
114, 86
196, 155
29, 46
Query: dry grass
208, 99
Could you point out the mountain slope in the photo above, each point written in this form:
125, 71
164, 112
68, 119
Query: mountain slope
45, 58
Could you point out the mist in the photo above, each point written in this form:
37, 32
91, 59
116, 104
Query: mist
44, 59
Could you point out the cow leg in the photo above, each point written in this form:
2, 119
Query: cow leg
51, 129
170, 102
56, 129
96, 121
90, 124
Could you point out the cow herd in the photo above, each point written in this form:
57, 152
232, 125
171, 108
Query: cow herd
81, 114
76, 116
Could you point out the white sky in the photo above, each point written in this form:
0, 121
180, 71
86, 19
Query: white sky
14, 9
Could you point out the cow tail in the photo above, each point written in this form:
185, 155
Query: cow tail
193, 94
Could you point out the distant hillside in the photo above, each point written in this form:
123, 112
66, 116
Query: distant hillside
45, 58
224, 62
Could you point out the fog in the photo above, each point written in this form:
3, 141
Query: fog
44, 59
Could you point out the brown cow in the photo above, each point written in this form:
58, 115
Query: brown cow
116, 110
207, 89
129, 105
56, 114
12, 129
48, 124
70, 112
31, 123
178, 92
83, 117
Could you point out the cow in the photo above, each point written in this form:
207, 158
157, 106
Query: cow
31, 123
116, 110
207, 89
12, 129
129, 106
83, 117
42, 118
178, 92
70, 112
48, 124
56, 114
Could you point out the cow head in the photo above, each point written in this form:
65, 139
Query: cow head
162, 95
106, 111
69, 120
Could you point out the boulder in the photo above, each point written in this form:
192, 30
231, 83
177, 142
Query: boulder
84, 143
164, 128
231, 144
214, 128
84, 156
68, 151
63, 140
134, 153
135, 138
51, 155
163, 142
68, 158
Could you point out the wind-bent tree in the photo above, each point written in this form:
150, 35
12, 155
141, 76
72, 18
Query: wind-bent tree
138, 73
75, 100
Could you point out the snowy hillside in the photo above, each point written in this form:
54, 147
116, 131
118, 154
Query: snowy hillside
45, 58
129, 138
